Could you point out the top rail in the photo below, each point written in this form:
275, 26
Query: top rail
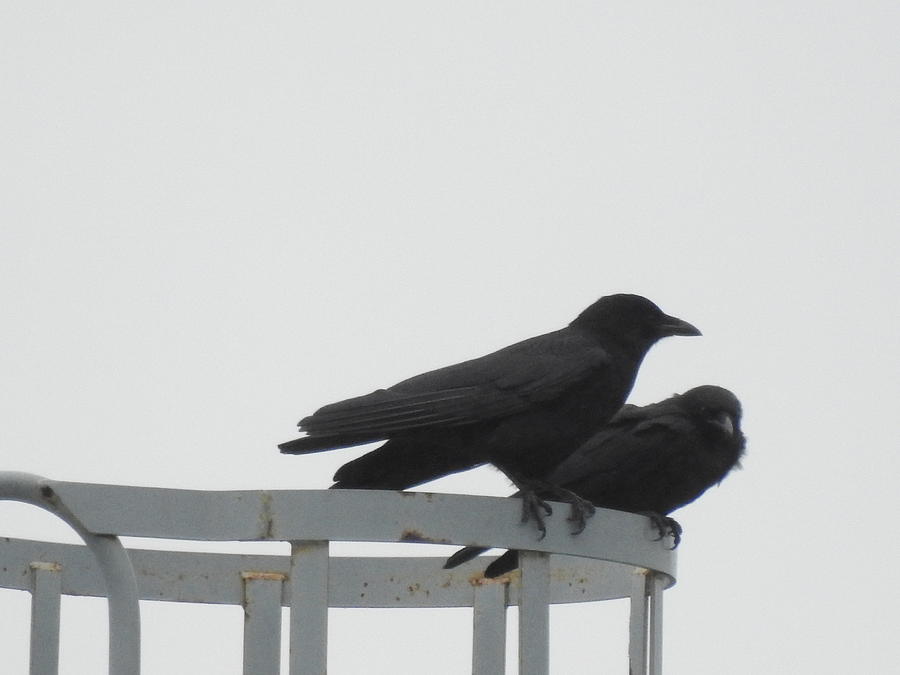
358, 515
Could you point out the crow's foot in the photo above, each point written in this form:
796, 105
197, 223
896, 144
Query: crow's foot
533, 504
536, 508
665, 526
581, 510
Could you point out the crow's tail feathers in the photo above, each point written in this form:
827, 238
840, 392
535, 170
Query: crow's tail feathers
309, 444
463, 555
502, 565
400, 464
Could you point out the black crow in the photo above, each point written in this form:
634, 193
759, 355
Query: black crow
649, 460
523, 408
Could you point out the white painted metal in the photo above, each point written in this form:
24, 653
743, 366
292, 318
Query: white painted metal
180, 576
617, 556
638, 624
262, 622
656, 585
489, 628
118, 575
45, 599
309, 607
534, 614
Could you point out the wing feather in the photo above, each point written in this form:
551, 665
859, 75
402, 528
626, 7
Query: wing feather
491, 387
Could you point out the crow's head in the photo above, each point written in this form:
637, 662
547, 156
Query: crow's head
716, 412
631, 319
715, 408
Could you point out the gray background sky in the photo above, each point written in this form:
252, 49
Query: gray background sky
217, 216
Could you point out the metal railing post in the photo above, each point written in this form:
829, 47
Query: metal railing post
489, 629
45, 601
638, 624
309, 607
655, 585
262, 622
534, 613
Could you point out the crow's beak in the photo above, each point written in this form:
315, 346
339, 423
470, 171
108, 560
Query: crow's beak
674, 326
724, 421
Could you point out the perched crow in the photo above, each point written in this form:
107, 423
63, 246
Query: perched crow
523, 408
649, 460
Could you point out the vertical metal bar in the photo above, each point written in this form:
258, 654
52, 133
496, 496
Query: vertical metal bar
262, 623
638, 625
655, 584
489, 629
45, 594
309, 608
534, 613
124, 610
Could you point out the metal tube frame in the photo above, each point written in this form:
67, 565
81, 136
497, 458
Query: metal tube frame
617, 557
121, 585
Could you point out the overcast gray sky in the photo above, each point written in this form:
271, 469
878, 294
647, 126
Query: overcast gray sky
217, 216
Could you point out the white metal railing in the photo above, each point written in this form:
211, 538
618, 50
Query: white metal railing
616, 556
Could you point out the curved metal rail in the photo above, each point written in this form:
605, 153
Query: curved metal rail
118, 575
616, 556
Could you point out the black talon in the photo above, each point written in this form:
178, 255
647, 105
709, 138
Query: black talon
665, 526
582, 509
532, 504
531, 508
675, 530
529, 491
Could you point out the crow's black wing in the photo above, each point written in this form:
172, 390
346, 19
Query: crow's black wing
504, 383
620, 452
